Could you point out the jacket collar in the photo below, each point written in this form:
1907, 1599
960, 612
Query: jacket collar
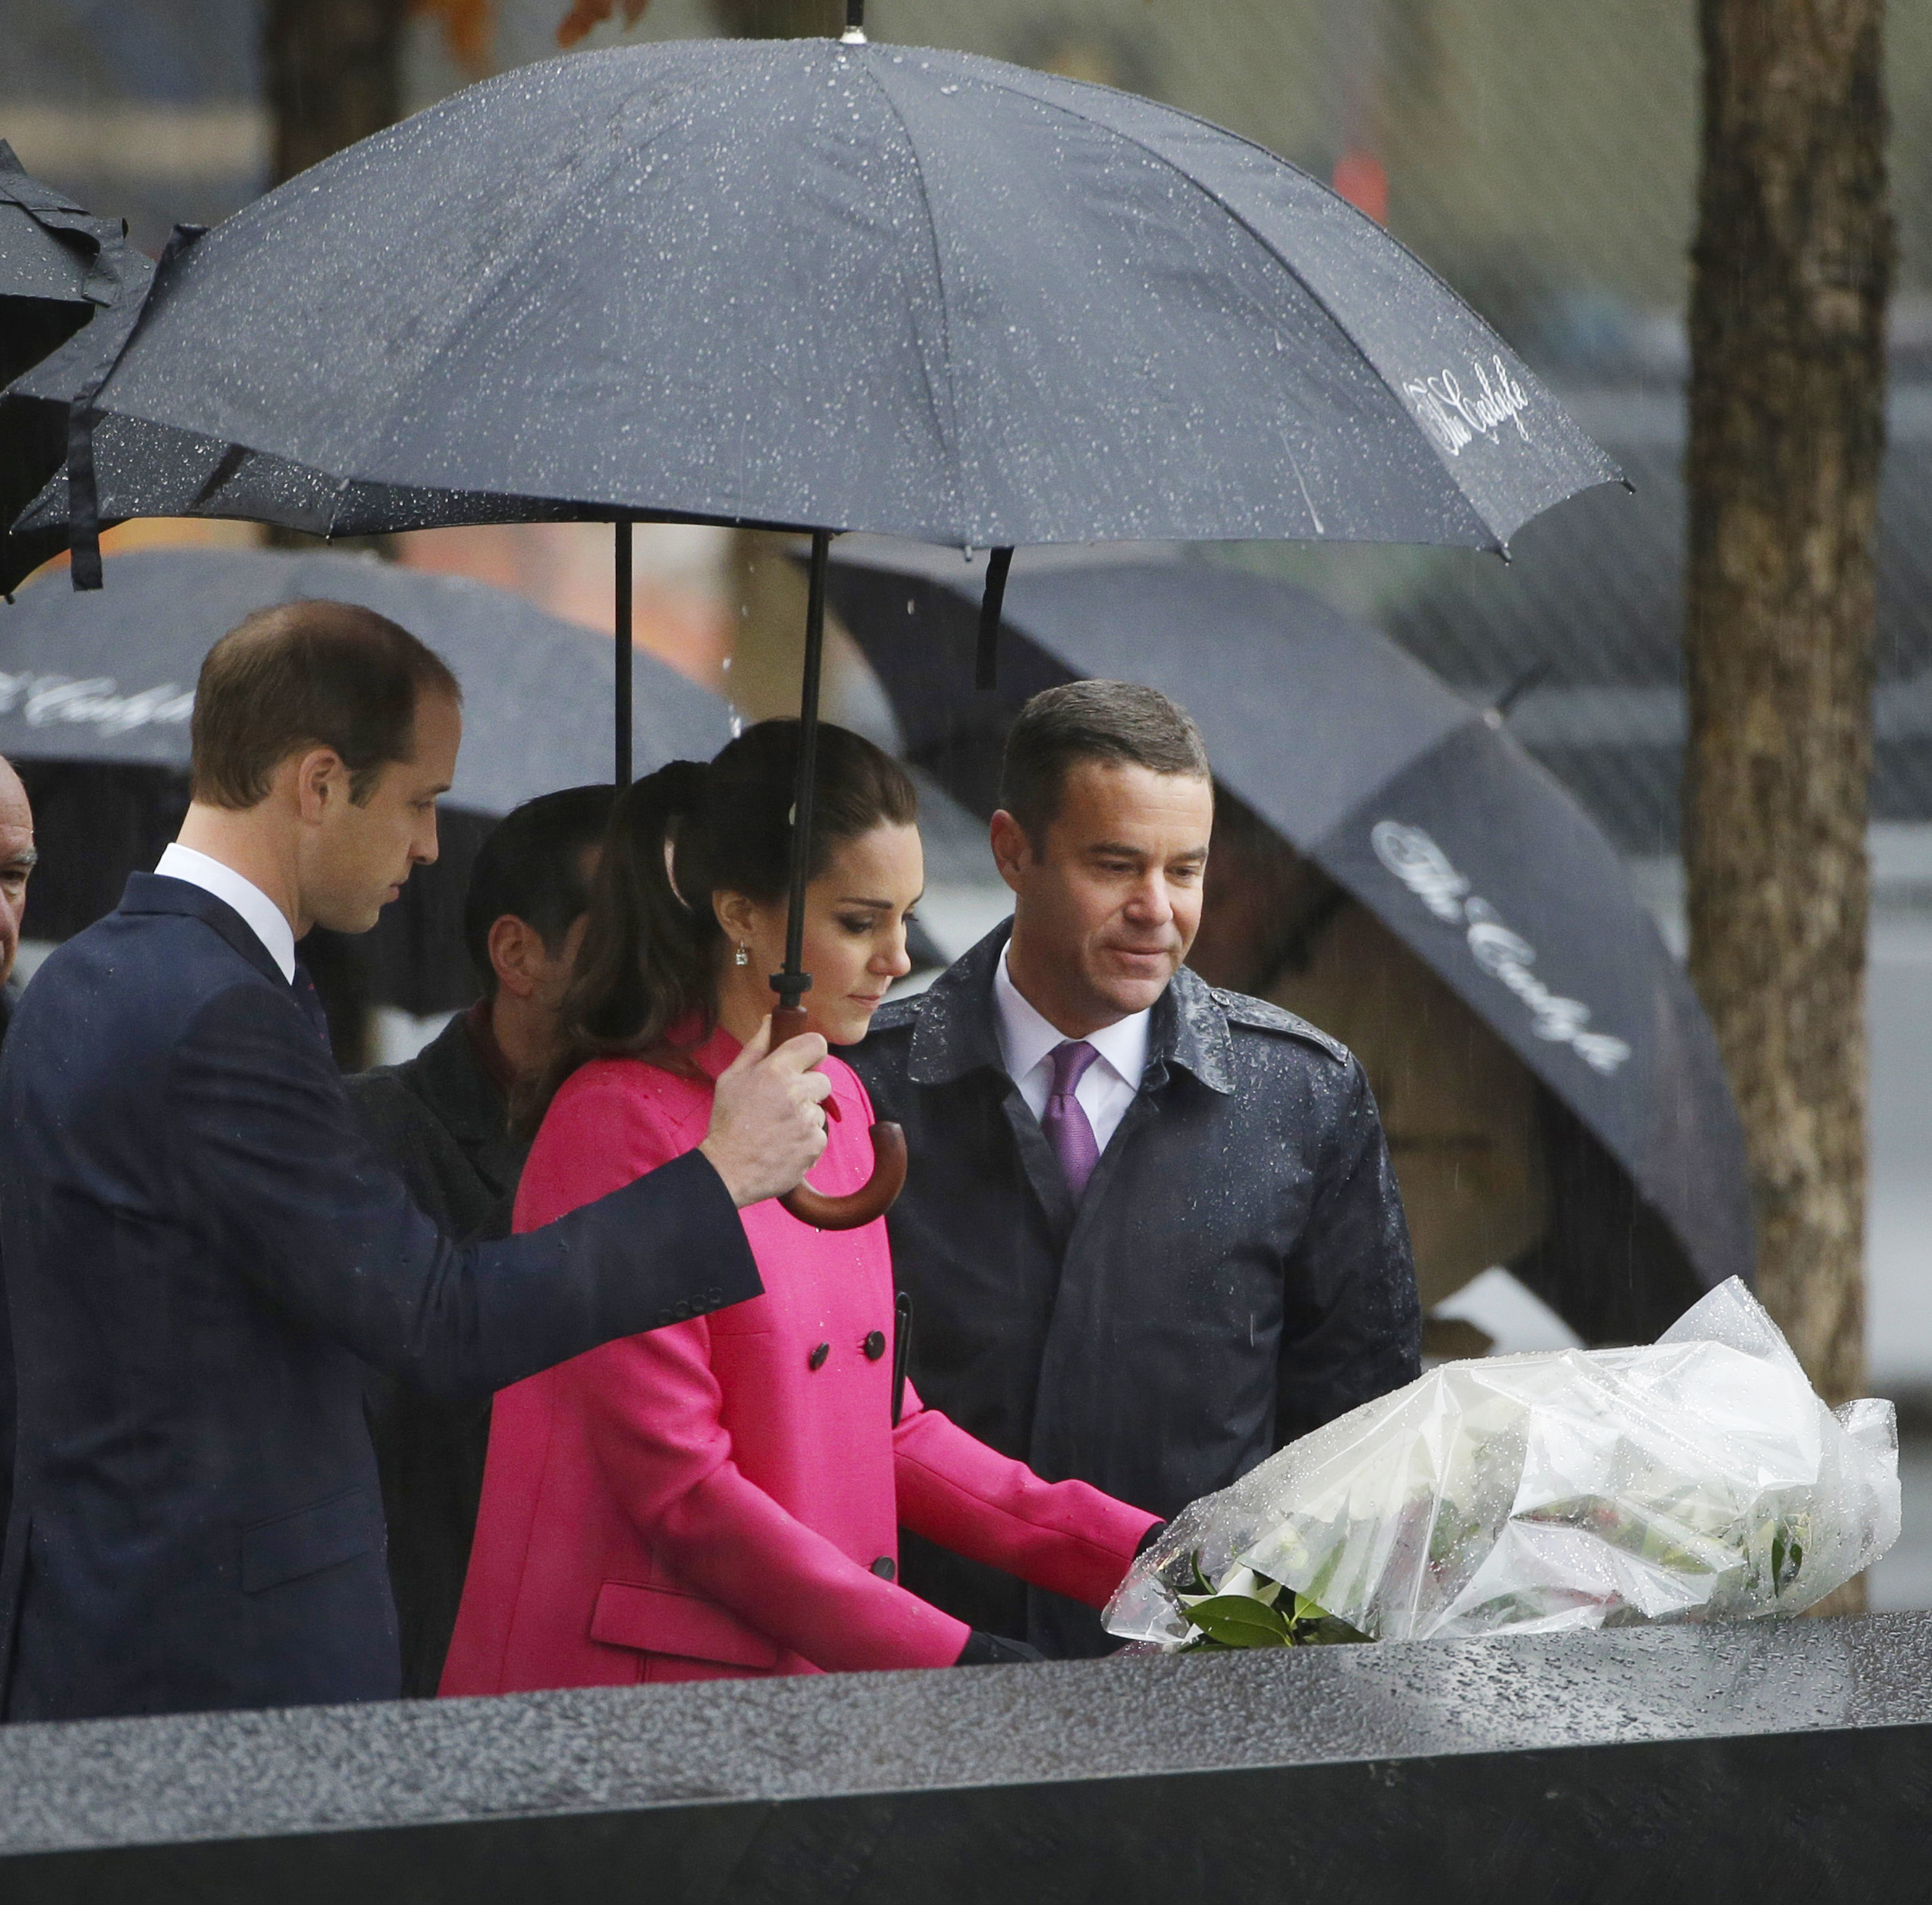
489, 1057
466, 1092
156, 893
956, 1030
1195, 1034
955, 1025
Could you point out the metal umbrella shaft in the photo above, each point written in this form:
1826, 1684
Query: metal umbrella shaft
626, 654
792, 984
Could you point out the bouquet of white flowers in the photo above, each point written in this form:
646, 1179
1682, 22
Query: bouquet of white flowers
1698, 1478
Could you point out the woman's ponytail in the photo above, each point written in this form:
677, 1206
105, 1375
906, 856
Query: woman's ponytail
677, 838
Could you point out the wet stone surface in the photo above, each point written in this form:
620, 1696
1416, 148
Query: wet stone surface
213, 1777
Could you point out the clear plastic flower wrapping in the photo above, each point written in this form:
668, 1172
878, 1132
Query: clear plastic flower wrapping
1697, 1479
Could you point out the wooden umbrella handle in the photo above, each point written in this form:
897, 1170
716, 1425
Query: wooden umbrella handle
877, 1194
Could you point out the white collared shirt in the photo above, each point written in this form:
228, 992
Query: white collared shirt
1027, 1042
265, 919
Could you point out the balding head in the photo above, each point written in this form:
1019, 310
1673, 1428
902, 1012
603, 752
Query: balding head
17, 857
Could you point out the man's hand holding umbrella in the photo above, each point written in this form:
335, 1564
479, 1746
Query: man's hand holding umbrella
767, 1120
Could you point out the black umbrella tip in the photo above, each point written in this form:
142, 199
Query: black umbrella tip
986, 670
1498, 712
1630, 488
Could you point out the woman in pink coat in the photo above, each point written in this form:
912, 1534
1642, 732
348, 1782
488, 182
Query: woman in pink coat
722, 1498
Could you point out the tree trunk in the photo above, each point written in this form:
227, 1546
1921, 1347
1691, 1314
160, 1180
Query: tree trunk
332, 72
778, 19
1791, 270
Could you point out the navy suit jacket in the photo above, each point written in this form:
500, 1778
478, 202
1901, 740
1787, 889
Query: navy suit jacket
200, 1250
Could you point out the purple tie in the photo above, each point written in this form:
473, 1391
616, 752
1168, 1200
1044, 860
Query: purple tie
1063, 1121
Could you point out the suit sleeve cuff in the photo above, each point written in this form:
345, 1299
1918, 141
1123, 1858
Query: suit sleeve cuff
713, 1235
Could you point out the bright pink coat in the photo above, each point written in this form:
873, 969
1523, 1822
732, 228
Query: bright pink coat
721, 1498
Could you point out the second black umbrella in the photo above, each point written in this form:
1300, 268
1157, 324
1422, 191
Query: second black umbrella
96, 691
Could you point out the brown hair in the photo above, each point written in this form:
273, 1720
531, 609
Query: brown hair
649, 959
530, 869
1119, 722
307, 675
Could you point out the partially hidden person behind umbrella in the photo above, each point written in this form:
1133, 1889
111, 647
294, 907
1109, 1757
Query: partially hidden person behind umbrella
442, 1122
723, 1499
201, 1250
1150, 1229
17, 858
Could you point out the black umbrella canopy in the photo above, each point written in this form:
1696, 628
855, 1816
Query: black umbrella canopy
48, 244
60, 270
849, 286
109, 677
1414, 803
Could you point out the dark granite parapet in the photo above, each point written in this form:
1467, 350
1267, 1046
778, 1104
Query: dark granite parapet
1701, 1764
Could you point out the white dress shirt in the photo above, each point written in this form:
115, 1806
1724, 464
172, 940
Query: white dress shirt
1027, 1043
265, 919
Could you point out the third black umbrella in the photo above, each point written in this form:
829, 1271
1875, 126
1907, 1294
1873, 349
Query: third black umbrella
60, 271
1421, 808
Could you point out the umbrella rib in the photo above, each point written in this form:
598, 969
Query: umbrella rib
947, 411
1235, 216
482, 286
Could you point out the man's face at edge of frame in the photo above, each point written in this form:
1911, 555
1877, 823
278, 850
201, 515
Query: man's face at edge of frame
17, 858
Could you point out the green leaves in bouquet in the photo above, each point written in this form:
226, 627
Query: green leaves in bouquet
1787, 1554
1271, 1616
1315, 1626
1235, 1621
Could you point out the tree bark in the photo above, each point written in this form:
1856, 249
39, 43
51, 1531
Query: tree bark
779, 19
1791, 270
332, 72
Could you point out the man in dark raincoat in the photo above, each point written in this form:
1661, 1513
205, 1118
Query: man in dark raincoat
1151, 1231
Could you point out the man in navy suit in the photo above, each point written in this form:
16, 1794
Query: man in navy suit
200, 1250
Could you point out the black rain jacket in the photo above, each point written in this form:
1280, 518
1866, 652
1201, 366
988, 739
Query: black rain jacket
1238, 1273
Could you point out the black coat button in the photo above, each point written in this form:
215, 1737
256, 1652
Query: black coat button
874, 1346
816, 1359
885, 1568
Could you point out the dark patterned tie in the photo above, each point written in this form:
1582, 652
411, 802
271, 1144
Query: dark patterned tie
311, 1002
1064, 1121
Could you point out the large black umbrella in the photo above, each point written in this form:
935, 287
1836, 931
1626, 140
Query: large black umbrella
835, 286
845, 286
60, 269
1423, 809
96, 691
